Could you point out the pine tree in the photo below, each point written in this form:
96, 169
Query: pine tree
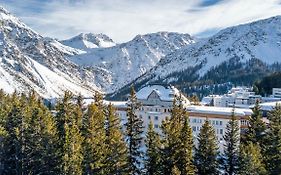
70, 135
175, 171
13, 142
206, 154
177, 141
134, 130
116, 150
231, 146
3, 133
250, 160
273, 142
194, 99
256, 127
153, 158
185, 162
40, 139
94, 146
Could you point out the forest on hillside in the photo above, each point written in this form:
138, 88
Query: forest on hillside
265, 85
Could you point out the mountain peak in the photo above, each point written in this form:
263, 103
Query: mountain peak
86, 41
164, 36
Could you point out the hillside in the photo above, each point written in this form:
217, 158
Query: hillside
30, 61
119, 65
240, 55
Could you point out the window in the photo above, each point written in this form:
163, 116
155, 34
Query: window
156, 126
217, 122
221, 131
165, 110
220, 122
194, 128
155, 117
149, 117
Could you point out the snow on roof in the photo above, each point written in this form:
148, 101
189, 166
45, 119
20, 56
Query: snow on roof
165, 93
117, 104
219, 110
268, 106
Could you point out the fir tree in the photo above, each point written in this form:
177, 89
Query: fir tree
175, 171
194, 99
13, 142
40, 139
94, 146
70, 135
206, 154
134, 130
116, 150
273, 142
177, 141
250, 160
231, 146
153, 158
185, 162
256, 127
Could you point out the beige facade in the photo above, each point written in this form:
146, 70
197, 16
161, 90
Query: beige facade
156, 109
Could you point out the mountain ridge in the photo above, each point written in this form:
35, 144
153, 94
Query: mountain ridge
29, 61
131, 59
253, 47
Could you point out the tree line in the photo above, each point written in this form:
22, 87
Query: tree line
79, 139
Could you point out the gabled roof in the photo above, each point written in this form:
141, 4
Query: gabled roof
165, 93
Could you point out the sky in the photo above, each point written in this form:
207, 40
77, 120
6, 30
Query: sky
122, 20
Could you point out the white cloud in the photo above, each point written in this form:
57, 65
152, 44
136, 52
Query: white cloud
123, 19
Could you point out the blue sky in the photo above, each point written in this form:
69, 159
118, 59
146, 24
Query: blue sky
123, 19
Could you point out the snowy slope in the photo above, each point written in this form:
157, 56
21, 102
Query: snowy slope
86, 41
30, 61
124, 62
260, 40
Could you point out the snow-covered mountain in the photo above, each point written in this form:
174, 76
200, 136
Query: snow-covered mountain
121, 64
30, 61
86, 41
239, 53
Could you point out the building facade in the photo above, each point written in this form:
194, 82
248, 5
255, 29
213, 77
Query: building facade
157, 102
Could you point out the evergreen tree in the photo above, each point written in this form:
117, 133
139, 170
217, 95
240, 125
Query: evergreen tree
94, 146
3, 133
206, 154
231, 146
134, 130
116, 150
194, 99
256, 127
250, 160
40, 139
177, 141
185, 162
153, 158
70, 135
175, 171
13, 142
273, 142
